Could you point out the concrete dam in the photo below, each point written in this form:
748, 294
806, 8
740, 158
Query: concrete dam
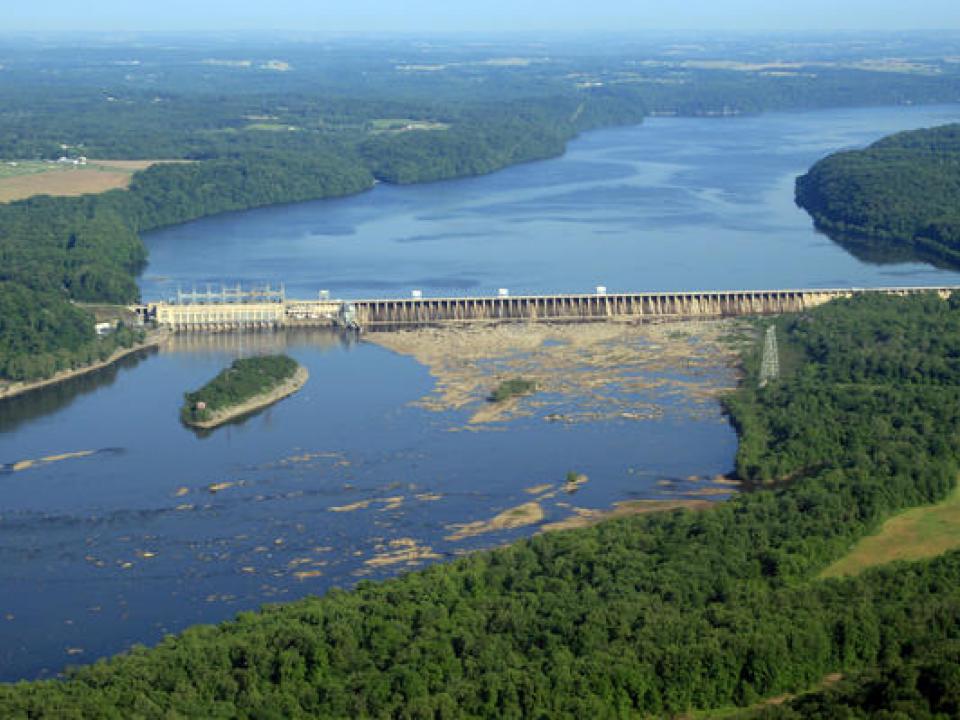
234, 312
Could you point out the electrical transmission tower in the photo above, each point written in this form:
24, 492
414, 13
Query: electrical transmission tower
770, 361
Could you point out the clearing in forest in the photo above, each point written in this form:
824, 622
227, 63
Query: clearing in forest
916, 534
22, 179
400, 125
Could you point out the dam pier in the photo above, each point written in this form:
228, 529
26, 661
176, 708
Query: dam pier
236, 310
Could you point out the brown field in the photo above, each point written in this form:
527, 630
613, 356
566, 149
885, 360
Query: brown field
96, 176
916, 534
128, 165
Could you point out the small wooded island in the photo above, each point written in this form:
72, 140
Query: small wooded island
247, 385
512, 388
900, 194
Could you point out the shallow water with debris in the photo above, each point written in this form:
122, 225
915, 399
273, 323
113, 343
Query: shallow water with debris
118, 524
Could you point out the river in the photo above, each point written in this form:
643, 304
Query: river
119, 525
673, 204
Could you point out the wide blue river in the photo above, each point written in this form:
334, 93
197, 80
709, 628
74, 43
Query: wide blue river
118, 524
673, 204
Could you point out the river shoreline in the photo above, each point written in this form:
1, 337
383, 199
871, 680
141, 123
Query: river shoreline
257, 402
154, 339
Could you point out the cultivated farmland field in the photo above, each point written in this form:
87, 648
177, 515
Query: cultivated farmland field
23, 179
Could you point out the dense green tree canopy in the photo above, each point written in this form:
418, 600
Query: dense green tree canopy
42, 333
923, 686
903, 191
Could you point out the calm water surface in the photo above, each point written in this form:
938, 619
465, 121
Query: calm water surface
674, 204
109, 533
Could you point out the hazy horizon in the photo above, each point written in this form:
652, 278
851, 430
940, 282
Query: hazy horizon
494, 16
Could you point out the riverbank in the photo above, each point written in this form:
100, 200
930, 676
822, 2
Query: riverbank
285, 389
583, 517
154, 339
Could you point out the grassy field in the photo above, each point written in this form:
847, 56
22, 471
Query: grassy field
23, 179
105, 313
916, 534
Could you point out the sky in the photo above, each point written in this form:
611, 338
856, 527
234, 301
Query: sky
444, 16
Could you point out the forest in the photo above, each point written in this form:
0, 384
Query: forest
244, 379
902, 192
650, 615
925, 686
40, 335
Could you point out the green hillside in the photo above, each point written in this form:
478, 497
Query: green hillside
901, 193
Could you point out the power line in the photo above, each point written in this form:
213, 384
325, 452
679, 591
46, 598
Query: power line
770, 360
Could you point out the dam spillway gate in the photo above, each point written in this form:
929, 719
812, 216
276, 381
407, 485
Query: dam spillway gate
374, 313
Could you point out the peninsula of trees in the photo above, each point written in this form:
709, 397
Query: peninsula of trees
901, 193
246, 386
646, 616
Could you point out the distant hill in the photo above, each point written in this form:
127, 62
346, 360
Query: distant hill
900, 194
